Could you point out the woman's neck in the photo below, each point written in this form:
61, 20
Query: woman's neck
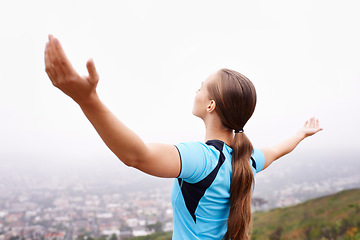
215, 130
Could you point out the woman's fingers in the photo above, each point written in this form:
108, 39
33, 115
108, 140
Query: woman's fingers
53, 62
312, 122
306, 123
62, 60
93, 75
48, 64
57, 65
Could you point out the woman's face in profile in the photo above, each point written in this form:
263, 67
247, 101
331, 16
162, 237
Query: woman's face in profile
202, 98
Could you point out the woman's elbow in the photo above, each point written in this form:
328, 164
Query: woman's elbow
133, 160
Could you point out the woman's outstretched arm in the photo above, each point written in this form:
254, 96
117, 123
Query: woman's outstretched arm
273, 153
161, 160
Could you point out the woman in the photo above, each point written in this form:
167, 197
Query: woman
211, 196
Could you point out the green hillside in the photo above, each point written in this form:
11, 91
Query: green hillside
331, 217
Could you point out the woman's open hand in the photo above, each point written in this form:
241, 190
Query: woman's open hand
310, 127
82, 89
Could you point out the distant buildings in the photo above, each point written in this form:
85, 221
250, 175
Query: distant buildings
68, 214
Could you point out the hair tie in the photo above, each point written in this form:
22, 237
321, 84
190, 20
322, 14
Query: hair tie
239, 131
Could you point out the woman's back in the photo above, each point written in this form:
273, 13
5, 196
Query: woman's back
201, 194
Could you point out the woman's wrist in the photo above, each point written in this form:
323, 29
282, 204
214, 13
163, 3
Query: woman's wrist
300, 135
90, 102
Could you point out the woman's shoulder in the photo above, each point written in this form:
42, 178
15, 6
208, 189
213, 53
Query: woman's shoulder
195, 148
198, 159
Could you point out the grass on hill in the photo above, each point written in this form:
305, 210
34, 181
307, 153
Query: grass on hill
332, 217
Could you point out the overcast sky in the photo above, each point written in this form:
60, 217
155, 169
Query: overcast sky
302, 56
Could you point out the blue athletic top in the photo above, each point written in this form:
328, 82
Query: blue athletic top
201, 194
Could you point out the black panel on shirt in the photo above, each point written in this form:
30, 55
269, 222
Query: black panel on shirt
193, 192
253, 163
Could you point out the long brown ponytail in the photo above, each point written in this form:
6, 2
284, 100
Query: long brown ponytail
235, 98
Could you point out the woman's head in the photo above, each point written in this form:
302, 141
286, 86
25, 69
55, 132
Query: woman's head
235, 97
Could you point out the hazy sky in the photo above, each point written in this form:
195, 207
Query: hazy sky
302, 56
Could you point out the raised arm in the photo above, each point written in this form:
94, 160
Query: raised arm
273, 153
161, 160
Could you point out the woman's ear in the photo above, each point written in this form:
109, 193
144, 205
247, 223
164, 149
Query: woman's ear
211, 107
